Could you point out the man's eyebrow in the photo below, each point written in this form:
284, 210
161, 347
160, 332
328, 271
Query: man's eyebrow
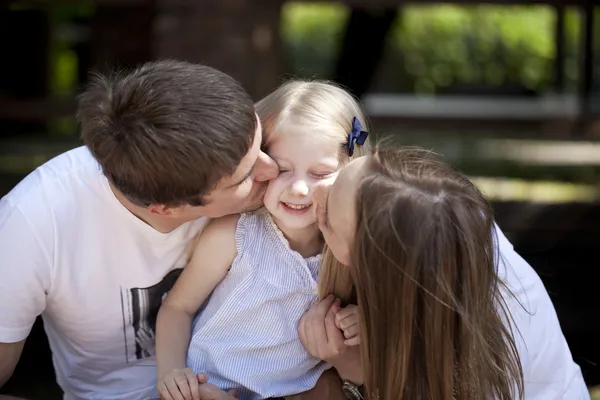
248, 175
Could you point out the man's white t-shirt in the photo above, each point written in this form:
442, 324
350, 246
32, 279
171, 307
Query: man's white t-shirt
97, 274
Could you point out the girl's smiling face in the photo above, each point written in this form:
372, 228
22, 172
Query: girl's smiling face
306, 162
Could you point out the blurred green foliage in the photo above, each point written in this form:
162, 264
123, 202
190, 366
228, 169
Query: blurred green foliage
431, 48
434, 47
64, 62
311, 33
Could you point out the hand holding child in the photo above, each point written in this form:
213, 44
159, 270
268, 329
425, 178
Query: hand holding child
323, 339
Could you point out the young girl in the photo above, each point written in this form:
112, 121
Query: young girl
262, 265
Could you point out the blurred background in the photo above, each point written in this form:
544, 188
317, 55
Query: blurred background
508, 91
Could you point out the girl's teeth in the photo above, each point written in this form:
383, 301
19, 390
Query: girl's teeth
296, 206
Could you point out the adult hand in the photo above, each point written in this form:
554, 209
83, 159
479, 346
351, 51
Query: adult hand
322, 339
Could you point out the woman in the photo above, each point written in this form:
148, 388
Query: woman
447, 308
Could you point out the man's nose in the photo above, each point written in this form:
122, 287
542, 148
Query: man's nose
265, 169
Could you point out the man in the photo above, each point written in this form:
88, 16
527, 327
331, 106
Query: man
93, 239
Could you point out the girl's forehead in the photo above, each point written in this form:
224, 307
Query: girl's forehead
303, 146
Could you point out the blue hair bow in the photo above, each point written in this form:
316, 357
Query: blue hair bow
357, 135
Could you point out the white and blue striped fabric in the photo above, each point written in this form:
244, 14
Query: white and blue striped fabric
246, 335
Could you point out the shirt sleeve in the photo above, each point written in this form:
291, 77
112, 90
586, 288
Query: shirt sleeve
548, 367
24, 275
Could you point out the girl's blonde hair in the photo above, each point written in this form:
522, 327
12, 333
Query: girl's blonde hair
316, 107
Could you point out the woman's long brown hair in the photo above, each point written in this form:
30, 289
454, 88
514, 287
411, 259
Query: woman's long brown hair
433, 320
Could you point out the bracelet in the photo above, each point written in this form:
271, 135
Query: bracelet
352, 391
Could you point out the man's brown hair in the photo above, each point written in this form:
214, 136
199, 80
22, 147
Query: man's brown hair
167, 131
434, 322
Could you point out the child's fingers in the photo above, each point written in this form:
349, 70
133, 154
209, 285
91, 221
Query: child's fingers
348, 321
337, 324
163, 391
193, 384
347, 311
355, 341
351, 331
173, 390
184, 387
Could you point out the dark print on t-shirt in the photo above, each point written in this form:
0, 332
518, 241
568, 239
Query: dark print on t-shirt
140, 309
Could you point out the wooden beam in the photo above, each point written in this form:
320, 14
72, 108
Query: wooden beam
471, 107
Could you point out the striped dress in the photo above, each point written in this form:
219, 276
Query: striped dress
246, 335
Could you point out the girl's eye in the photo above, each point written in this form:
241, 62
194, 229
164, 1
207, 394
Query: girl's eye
281, 171
322, 176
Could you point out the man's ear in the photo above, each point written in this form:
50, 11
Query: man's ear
161, 209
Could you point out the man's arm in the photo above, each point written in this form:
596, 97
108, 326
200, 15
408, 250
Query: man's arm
24, 282
9, 357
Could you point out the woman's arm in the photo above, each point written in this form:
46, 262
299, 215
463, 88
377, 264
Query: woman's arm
212, 257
